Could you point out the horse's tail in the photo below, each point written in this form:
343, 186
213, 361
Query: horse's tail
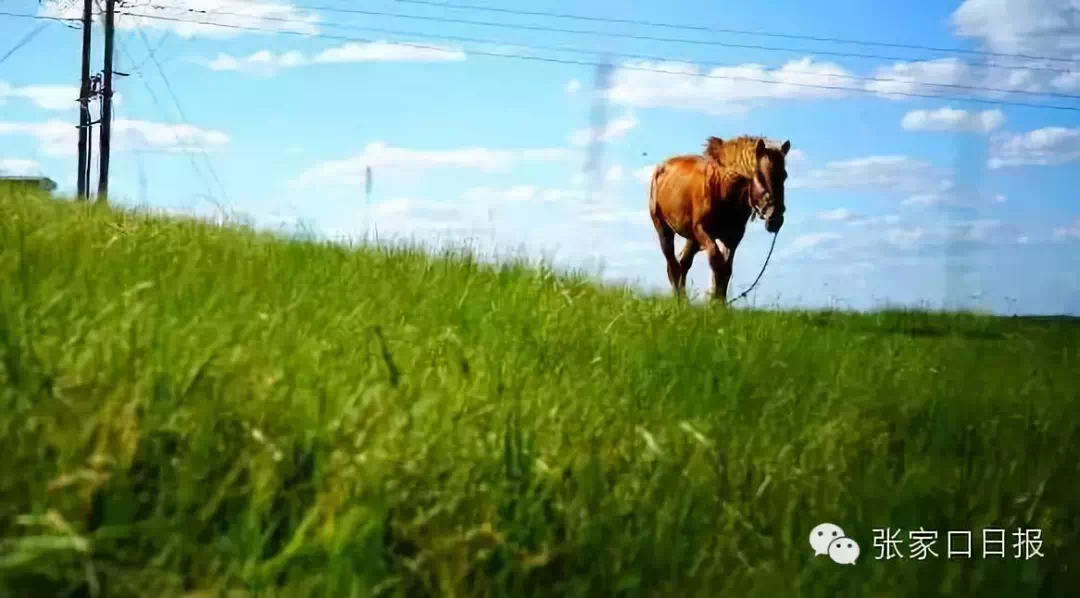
653, 184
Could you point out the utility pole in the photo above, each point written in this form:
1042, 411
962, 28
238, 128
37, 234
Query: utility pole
106, 103
368, 182
95, 92
84, 103
598, 124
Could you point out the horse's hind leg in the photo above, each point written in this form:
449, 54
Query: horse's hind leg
686, 260
667, 246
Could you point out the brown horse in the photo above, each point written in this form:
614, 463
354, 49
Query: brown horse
708, 200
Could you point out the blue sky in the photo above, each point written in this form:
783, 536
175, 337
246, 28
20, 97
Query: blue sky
892, 199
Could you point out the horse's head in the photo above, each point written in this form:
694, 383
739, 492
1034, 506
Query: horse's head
767, 188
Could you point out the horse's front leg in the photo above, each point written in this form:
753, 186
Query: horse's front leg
722, 268
720, 258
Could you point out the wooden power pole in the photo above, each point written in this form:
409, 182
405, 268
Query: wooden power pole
106, 103
84, 103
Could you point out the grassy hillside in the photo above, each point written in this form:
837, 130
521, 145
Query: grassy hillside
193, 410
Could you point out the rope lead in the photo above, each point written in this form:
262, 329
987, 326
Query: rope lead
751, 287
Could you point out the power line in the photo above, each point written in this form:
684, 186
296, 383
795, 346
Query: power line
549, 29
180, 111
25, 40
153, 97
571, 49
593, 64
758, 33
157, 47
65, 20
626, 67
617, 35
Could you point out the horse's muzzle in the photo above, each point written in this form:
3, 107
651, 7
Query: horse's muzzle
773, 224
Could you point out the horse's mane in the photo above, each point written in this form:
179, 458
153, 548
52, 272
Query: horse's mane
739, 153
726, 182
714, 148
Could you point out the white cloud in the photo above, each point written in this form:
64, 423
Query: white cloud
380, 156
575, 195
926, 199
404, 206
573, 87
648, 246
1016, 80
952, 76
1066, 82
181, 16
19, 167
999, 198
263, 62
952, 119
837, 215
382, 51
872, 238
900, 174
874, 220
56, 137
562, 224
848, 269
906, 238
614, 174
144, 135
615, 130
947, 195
916, 182
812, 240
609, 215
806, 242
517, 193
983, 231
579, 205
579, 199
49, 97
724, 90
513, 208
910, 77
1041, 27
267, 62
59, 138
1071, 231
974, 231
1048, 146
644, 174
855, 219
796, 155
409, 217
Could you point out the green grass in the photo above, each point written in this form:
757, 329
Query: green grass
196, 410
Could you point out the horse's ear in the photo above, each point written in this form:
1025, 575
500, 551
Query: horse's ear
760, 148
786, 146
